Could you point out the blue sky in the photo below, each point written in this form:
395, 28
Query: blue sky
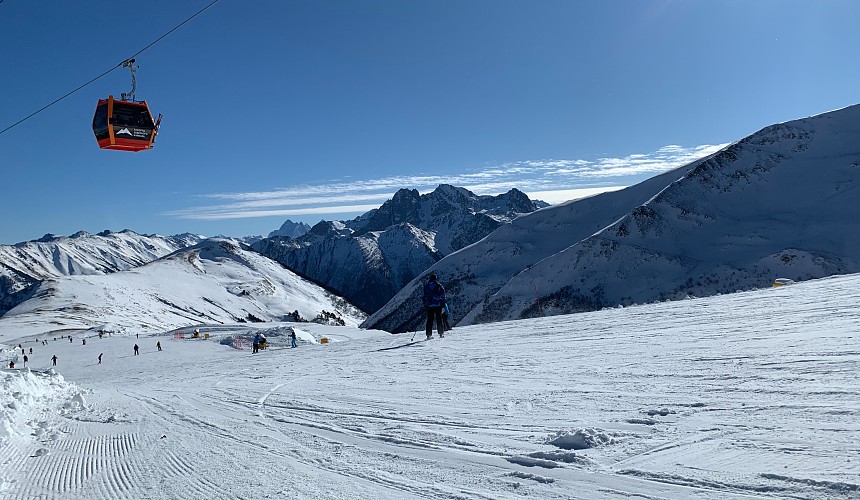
312, 109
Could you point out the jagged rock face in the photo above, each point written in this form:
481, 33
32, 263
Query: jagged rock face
362, 269
291, 229
779, 203
24, 265
368, 259
403, 207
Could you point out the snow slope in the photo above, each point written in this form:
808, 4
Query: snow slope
24, 265
747, 395
215, 281
782, 202
368, 259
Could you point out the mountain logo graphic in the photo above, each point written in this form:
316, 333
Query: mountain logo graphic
124, 131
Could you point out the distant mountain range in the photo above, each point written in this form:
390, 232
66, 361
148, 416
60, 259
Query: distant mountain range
368, 259
215, 281
24, 265
783, 202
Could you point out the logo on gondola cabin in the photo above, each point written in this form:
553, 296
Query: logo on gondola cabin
124, 131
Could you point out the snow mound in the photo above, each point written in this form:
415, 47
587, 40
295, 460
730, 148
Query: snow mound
28, 399
581, 439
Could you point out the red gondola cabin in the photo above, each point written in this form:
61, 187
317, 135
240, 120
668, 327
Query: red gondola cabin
124, 125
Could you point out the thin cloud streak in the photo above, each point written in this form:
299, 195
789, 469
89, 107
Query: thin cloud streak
342, 209
553, 177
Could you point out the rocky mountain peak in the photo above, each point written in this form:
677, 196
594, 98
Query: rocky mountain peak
402, 207
368, 259
291, 229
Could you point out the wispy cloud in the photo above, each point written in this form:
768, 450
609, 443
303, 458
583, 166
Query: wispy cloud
552, 178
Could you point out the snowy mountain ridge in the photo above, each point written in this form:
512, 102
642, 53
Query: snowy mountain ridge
368, 259
216, 281
24, 265
779, 203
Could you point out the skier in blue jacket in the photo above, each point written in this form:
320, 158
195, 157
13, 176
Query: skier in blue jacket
434, 303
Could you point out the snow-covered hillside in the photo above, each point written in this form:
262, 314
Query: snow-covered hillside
24, 265
739, 396
474, 273
782, 202
215, 281
368, 259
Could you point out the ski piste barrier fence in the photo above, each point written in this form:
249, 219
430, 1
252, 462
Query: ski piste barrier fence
180, 335
239, 343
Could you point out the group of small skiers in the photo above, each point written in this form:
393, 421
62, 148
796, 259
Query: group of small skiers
26, 357
260, 342
54, 358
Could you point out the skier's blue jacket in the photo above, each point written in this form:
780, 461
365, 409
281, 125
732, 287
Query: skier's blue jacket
434, 294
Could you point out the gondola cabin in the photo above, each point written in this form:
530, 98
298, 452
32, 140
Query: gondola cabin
124, 125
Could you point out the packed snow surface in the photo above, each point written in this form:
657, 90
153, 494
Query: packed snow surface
748, 395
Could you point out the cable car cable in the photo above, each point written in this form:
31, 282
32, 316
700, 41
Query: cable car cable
120, 65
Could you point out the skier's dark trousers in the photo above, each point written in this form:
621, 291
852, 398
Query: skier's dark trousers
434, 303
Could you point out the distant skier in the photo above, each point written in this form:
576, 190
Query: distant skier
434, 301
100, 357
256, 344
158, 345
293, 338
31, 350
70, 339
11, 364
26, 359
54, 360
135, 350
83, 341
